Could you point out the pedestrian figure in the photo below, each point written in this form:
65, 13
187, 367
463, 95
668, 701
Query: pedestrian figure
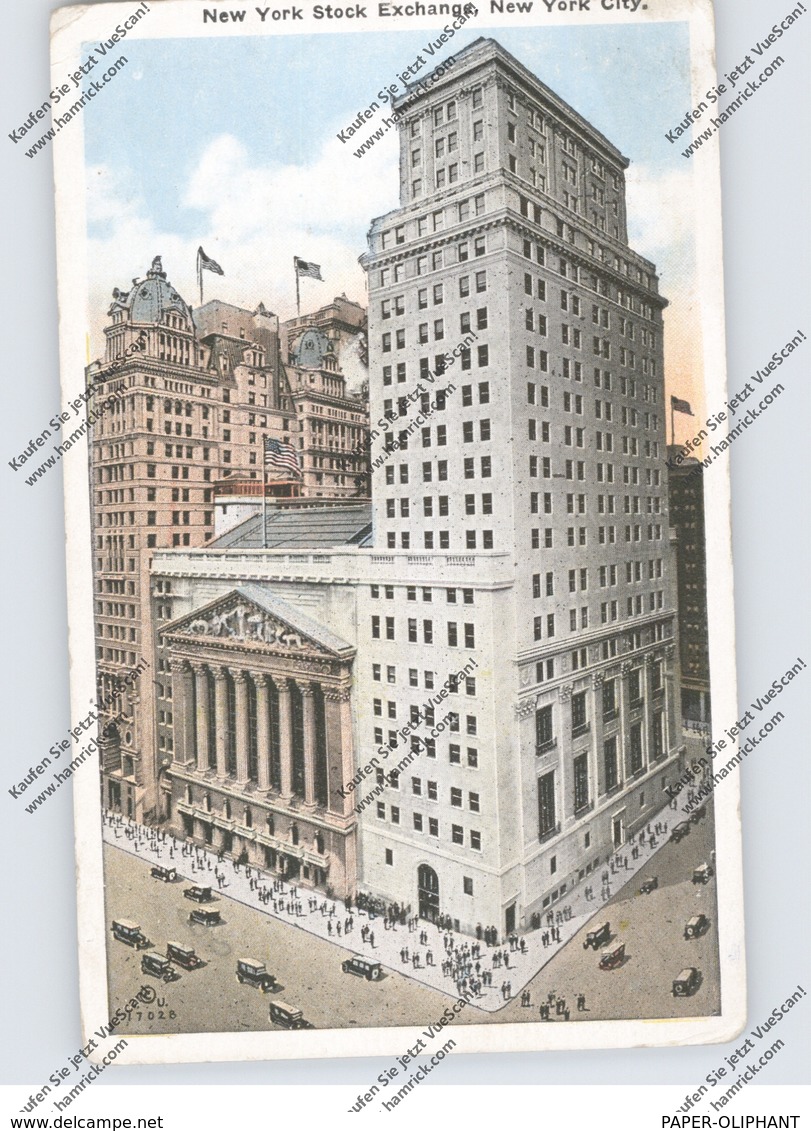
581, 1003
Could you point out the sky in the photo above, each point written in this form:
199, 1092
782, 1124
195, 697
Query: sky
230, 143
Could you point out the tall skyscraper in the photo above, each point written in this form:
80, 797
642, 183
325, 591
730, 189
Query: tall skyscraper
506, 278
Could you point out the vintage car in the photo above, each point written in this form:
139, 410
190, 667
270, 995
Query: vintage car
198, 894
205, 916
702, 874
697, 814
363, 967
158, 965
168, 875
649, 885
184, 956
598, 937
680, 831
687, 982
612, 957
287, 1016
255, 974
129, 933
696, 927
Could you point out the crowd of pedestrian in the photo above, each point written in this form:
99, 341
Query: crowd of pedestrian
467, 966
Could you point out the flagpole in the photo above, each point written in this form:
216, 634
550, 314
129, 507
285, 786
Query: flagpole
298, 299
200, 275
672, 424
264, 493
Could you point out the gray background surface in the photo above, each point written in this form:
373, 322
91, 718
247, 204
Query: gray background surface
765, 166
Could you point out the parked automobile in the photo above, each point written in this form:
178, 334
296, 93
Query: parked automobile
697, 926
363, 967
168, 875
702, 874
198, 894
598, 937
287, 1016
649, 885
680, 831
158, 965
205, 916
255, 974
697, 814
129, 933
688, 981
184, 956
612, 957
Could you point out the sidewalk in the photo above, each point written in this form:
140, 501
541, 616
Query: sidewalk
197, 865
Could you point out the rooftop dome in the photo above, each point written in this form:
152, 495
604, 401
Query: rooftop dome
151, 298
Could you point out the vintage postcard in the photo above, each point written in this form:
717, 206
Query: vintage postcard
402, 648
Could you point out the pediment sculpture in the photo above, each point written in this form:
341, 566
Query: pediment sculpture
250, 624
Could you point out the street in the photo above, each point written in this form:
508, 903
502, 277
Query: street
308, 967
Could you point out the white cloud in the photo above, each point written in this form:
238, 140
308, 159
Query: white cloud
253, 220
661, 211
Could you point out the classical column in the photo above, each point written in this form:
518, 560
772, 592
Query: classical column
262, 731
335, 771
598, 738
671, 721
182, 712
241, 709
285, 738
565, 752
201, 720
347, 740
308, 711
648, 707
221, 720
624, 709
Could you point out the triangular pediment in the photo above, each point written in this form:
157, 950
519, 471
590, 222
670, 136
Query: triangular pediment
250, 616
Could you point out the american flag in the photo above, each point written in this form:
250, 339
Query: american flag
281, 455
308, 270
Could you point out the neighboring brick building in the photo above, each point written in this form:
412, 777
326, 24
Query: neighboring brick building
200, 394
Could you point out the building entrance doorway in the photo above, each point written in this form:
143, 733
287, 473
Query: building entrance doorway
428, 892
509, 919
619, 830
